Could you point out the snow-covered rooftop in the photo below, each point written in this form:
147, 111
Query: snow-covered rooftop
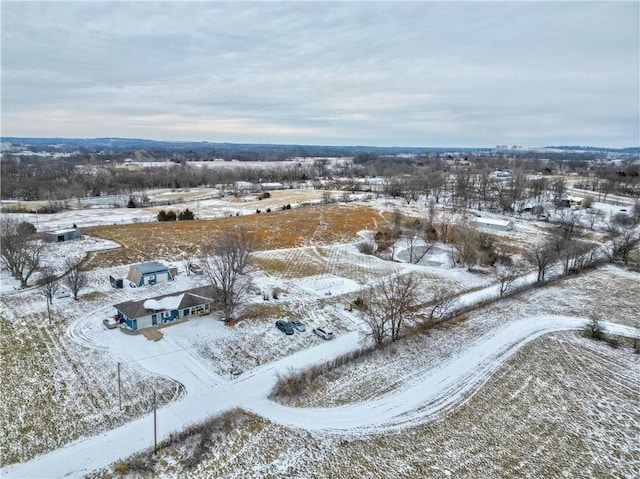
492, 221
168, 302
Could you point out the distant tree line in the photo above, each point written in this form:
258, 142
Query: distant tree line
465, 179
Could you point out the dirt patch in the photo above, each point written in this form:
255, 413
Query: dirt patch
152, 334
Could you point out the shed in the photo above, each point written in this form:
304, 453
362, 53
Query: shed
167, 308
494, 224
144, 274
62, 235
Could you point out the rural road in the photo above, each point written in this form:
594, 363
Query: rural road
439, 390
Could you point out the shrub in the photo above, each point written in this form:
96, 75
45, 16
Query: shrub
26, 228
594, 328
166, 215
294, 384
614, 342
366, 247
121, 467
268, 210
623, 219
131, 203
185, 215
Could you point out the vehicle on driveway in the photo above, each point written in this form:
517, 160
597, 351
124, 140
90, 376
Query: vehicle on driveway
324, 333
284, 326
110, 323
298, 325
195, 268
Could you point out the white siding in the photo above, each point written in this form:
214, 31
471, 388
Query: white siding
159, 278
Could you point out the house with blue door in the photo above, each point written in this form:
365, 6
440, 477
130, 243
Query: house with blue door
164, 309
145, 274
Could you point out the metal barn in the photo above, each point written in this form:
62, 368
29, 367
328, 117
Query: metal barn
62, 235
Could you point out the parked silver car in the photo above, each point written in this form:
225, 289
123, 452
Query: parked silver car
298, 325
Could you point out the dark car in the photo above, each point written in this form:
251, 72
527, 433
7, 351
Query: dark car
284, 326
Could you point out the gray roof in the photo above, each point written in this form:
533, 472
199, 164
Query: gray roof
191, 297
150, 267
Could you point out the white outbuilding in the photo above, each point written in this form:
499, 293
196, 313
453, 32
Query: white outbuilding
494, 224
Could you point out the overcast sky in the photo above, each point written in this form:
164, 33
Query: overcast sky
344, 73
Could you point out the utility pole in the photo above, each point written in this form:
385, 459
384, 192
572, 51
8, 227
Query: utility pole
119, 389
155, 429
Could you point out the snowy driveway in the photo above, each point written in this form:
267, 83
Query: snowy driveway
443, 387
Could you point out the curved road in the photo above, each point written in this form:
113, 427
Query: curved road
446, 385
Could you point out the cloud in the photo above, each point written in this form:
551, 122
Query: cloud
411, 73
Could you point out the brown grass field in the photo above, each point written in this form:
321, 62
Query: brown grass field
277, 229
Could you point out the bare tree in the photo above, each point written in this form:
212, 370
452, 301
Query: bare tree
49, 286
558, 189
594, 328
621, 246
569, 221
413, 240
224, 260
75, 279
467, 246
575, 255
419, 243
442, 303
506, 276
594, 216
541, 256
388, 307
635, 211
411, 189
19, 251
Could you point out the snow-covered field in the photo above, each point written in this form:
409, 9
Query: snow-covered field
436, 405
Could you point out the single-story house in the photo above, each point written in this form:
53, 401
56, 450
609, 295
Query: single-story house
494, 224
571, 201
144, 274
62, 235
169, 307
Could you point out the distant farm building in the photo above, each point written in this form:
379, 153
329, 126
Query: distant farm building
534, 209
494, 224
164, 309
145, 274
271, 186
62, 235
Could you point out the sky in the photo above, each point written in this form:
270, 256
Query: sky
415, 73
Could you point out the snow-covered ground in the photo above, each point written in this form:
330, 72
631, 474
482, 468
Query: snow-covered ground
208, 368
446, 385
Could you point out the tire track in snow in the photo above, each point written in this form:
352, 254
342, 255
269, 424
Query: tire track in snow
444, 388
